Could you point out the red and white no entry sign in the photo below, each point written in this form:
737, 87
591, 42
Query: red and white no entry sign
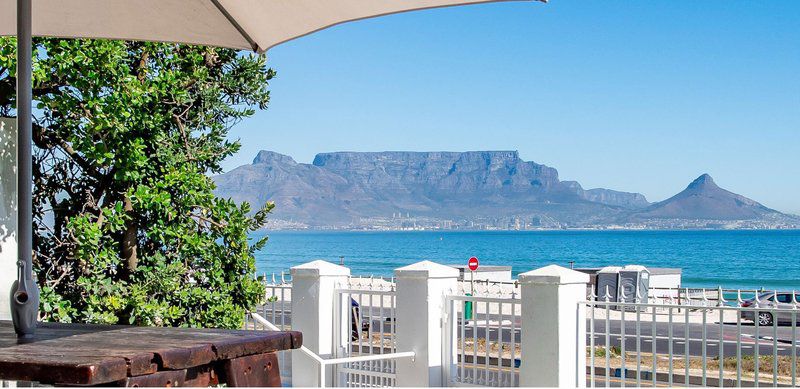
473, 264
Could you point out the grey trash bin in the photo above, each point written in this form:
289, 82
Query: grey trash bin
634, 280
608, 280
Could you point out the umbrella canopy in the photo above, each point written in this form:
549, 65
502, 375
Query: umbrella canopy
241, 24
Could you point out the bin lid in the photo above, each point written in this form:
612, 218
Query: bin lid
610, 269
637, 268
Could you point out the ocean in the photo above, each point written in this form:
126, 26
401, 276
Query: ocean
731, 259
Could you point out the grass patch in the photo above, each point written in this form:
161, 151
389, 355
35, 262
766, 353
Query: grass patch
696, 364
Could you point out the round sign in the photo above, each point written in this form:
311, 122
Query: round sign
473, 264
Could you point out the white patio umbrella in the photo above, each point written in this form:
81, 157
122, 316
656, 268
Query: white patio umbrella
255, 25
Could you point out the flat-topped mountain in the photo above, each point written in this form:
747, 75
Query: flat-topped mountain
703, 199
468, 189
338, 188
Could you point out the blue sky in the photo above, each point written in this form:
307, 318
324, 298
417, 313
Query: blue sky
639, 96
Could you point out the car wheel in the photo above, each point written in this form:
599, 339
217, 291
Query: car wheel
764, 318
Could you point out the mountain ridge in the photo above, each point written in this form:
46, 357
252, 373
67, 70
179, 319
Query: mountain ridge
341, 189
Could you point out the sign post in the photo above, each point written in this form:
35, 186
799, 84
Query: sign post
473, 265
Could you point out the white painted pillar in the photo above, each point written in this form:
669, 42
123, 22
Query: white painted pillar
421, 291
553, 328
8, 213
313, 296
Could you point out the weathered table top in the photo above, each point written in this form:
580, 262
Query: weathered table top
82, 354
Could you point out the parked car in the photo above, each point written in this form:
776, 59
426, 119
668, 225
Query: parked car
782, 312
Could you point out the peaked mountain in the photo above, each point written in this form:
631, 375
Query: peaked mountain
703, 199
342, 187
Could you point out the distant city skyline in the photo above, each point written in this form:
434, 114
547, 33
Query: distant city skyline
631, 96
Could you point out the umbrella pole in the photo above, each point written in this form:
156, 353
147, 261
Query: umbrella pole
24, 291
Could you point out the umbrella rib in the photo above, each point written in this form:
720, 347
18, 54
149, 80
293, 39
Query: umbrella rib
235, 24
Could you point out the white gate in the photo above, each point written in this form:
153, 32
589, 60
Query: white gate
365, 326
482, 341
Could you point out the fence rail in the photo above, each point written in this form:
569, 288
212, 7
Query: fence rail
482, 339
730, 343
676, 336
323, 363
699, 297
277, 305
365, 330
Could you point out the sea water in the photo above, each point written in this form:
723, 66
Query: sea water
731, 259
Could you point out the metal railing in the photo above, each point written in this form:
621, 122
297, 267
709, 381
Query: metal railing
488, 288
369, 321
702, 296
324, 363
371, 282
482, 340
365, 318
727, 343
677, 336
277, 306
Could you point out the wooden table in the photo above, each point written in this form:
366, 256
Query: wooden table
83, 354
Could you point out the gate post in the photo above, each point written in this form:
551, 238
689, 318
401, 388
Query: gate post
313, 303
553, 328
421, 291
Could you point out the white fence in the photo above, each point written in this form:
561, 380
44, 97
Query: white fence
369, 320
456, 333
483, 340
744, 342
260, 321
367, 355
277, 306
425, 328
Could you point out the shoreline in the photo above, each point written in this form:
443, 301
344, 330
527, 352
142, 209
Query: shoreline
708, 258
317, 230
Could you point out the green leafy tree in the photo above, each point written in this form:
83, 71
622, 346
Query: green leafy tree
126, 226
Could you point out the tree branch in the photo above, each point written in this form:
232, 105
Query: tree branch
179, 122
209, 221
141, 69
45, 141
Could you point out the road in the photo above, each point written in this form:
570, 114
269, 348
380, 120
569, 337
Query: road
745, 335
764, 342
